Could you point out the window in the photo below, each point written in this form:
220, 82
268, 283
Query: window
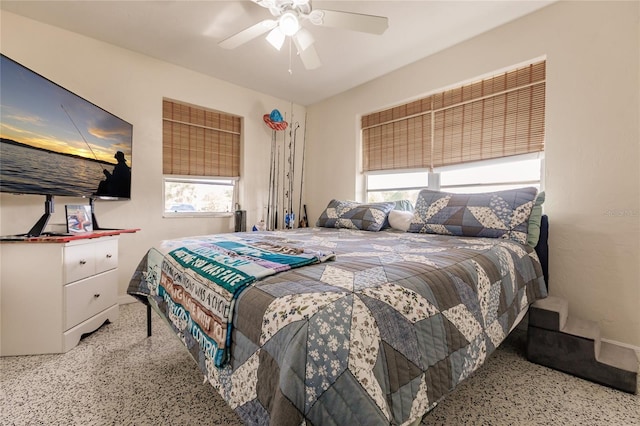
201, 160
493, 175
483, 136
184, 195
392, 186
483, 176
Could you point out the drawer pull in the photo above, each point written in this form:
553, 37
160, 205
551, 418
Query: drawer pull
83, 262
109, 256
96, 295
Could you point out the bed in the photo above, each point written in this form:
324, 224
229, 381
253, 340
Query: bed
352, 321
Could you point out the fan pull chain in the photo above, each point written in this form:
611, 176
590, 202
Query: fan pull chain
290, 50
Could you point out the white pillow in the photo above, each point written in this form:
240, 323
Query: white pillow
400, 219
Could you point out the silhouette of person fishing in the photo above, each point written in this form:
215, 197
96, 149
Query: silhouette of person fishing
118, 182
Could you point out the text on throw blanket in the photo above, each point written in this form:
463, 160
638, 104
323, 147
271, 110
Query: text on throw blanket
190, 303
198, 313
181, 318
217, 268
203, 293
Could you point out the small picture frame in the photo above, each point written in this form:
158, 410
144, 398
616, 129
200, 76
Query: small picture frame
78, 218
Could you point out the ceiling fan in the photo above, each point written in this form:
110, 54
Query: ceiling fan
288, 16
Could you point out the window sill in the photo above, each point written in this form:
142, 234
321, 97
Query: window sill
171, 215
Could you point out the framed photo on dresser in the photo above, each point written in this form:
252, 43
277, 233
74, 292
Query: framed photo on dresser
78, 218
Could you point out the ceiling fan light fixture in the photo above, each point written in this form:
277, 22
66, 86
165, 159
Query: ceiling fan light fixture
276, 38
288, 23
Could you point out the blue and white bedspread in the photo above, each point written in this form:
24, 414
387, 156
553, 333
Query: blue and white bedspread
376, 336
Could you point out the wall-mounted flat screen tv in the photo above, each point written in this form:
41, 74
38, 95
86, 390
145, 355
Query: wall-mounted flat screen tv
55, 143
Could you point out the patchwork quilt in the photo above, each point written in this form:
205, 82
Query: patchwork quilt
376, 335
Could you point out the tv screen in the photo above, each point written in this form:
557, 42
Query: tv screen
53, 142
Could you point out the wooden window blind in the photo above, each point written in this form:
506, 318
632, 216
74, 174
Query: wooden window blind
199, 142
398, 138
496, 117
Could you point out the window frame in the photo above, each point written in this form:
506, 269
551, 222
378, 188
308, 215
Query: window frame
435, 177
209, 180
489, 162
200, 145
495, 119
368, 191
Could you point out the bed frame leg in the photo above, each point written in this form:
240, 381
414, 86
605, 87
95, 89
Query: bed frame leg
148, 320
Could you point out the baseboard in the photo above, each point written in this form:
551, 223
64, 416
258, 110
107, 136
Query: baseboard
624, 345
126, 299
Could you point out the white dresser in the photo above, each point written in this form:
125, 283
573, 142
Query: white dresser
51, 293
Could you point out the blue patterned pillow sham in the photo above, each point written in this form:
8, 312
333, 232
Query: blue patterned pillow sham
501, 214
354, 215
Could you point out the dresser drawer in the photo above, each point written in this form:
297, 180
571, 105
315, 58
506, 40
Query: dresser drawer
85, 298
83, 260
106, 255
79, 262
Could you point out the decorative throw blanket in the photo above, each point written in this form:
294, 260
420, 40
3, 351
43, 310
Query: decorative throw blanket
200, 279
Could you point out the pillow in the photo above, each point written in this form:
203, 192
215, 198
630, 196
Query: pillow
400, 219
533, 234
403, 205
353, 215
501, 214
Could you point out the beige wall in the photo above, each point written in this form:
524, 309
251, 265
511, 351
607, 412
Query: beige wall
592, 144
132, 86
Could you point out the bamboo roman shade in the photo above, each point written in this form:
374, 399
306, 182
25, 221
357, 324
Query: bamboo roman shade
495, 117
398, 138
199, 142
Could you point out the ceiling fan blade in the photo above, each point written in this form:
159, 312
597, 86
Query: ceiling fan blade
309, 57
304, 44
248, 34
303, 39
350, 21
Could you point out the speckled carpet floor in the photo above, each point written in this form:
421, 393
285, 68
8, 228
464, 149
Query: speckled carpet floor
118, 376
